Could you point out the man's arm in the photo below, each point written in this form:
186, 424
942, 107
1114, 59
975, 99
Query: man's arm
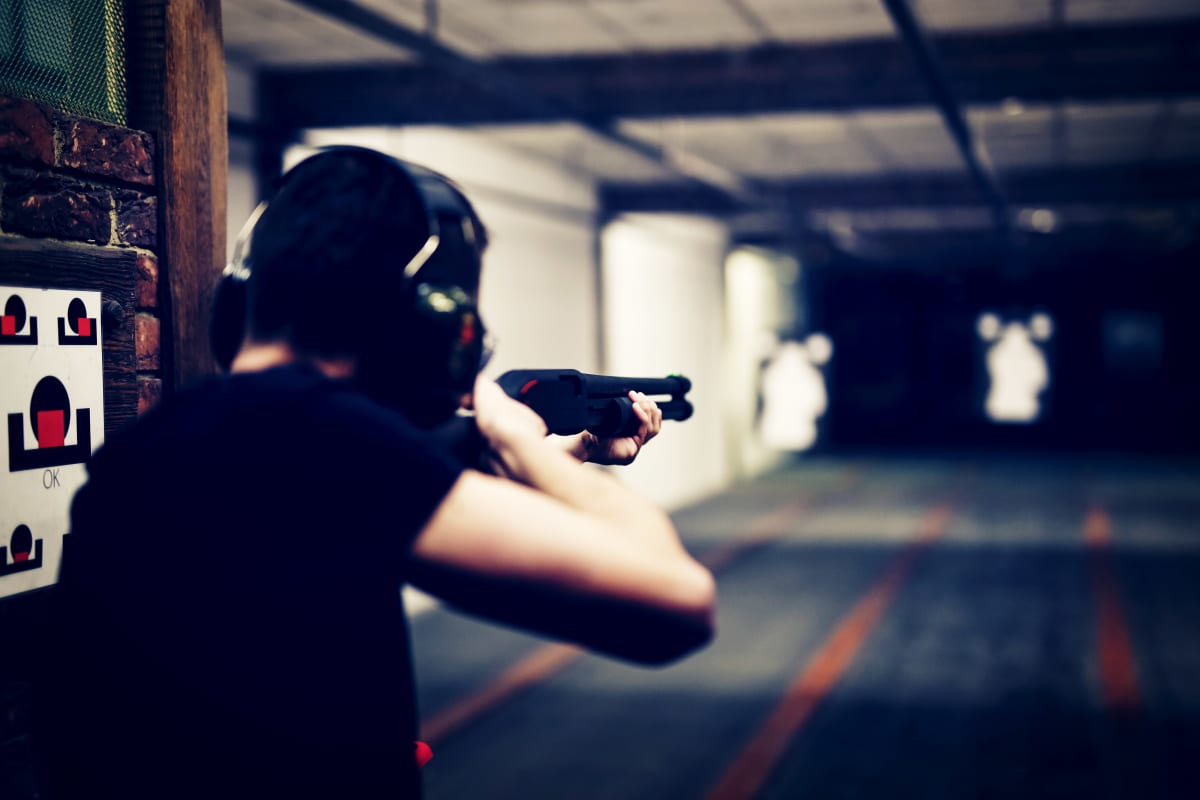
561, 549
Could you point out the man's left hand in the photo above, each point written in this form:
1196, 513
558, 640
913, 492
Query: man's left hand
620, 451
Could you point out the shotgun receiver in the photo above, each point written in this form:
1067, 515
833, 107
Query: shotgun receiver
571, 401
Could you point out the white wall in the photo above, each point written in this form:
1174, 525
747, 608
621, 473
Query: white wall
664, 314
241, 92
539, 294
759, 307
661, 281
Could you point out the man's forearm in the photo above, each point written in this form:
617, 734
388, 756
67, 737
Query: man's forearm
577, 445
545, 466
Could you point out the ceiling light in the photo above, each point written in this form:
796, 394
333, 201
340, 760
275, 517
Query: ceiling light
1041, 220
1012, 107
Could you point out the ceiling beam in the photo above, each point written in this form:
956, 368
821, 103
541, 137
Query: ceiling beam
1114, 185
1042, 65
913, 33
500, 87
969, 248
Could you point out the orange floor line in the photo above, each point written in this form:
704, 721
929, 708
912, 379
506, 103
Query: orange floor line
537, 666
750, 770
1114, 644
549, 659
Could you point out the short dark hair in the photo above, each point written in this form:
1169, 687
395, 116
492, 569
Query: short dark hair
328, 253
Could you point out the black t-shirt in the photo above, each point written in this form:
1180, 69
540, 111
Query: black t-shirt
230, 619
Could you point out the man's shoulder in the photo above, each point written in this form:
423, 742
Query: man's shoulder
230, 411
281, 393
286, 419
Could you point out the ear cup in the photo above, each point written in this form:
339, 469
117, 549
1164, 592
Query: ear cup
421, 357
450, 322
428, 358
228, 326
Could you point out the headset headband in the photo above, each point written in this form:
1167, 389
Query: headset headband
440, 198
446, 342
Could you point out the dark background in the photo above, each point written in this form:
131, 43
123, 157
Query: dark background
908, 370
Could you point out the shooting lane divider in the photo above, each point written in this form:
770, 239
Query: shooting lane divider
547, 660
1114, 643
749, 771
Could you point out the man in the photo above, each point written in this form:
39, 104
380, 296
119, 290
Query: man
231, 621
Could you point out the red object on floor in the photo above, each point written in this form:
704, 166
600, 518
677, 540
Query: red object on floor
423, 753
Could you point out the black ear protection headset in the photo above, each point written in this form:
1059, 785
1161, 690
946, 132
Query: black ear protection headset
422, 361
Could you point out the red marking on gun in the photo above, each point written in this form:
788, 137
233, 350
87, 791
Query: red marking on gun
51, 428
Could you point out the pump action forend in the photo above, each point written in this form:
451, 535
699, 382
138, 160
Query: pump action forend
571, 401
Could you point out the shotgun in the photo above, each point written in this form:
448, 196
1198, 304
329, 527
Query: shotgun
571, 401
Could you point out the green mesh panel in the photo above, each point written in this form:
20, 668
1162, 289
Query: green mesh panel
67, 54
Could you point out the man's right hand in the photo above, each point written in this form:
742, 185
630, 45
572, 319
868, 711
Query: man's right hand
503, 422
562, 550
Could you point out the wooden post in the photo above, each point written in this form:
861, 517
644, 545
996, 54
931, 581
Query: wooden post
177, 66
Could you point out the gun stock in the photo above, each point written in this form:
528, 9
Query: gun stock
571, 401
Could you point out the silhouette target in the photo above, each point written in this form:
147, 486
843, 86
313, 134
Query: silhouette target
83, 327
13, 320
50, 412
77, 317
22, 544
15, 308
50, 418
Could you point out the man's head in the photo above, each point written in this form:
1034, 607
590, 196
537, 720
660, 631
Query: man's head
368, 258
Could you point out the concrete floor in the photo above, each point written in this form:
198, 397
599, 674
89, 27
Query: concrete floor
889, 628
916, 628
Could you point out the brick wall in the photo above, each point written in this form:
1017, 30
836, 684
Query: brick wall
71, 179
80, 194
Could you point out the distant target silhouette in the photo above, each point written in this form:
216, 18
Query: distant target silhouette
1018, 370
